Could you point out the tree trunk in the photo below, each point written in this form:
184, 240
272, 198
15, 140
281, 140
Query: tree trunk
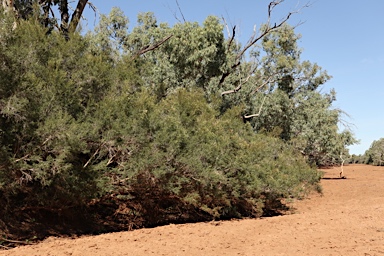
64, 17
76, 16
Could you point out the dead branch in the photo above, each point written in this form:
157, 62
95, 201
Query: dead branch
5, 247
93, 7
111, 159
237, 88
253, 39
226, 25
15, 241
25, 177
233, 32
94, 154
264, 84
232, 37
173, 13
269, 28
232, 91
152, 47
246, 80
178, 6
22, 158
247, 117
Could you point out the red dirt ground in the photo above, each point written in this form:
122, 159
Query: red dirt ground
348, 219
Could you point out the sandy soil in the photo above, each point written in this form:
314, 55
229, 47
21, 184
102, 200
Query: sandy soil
347, 220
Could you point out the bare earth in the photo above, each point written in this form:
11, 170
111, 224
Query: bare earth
347, 220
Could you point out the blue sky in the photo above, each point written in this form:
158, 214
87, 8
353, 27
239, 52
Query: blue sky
344, 37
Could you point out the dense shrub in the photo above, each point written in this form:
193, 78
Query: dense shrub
81, 132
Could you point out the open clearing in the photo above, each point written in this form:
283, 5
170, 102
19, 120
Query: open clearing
348, 219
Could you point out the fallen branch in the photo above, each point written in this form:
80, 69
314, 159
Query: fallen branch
14, 241
5, 247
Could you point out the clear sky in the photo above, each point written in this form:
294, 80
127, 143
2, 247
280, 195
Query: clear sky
344, 37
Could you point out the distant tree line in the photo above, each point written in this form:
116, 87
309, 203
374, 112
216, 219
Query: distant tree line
374, 155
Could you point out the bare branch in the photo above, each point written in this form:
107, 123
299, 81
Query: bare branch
93, 7
254, 39
232, 37
232, 91
238, 87
226, 25
22, 158
173, 13
266, 31
246, 80
247, 117
250, 116
15, 241
178, 6
5, 247
94, 154
264, 84
152, 47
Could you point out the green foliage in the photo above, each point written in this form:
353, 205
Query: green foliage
93, 121
192, 57
49, 86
